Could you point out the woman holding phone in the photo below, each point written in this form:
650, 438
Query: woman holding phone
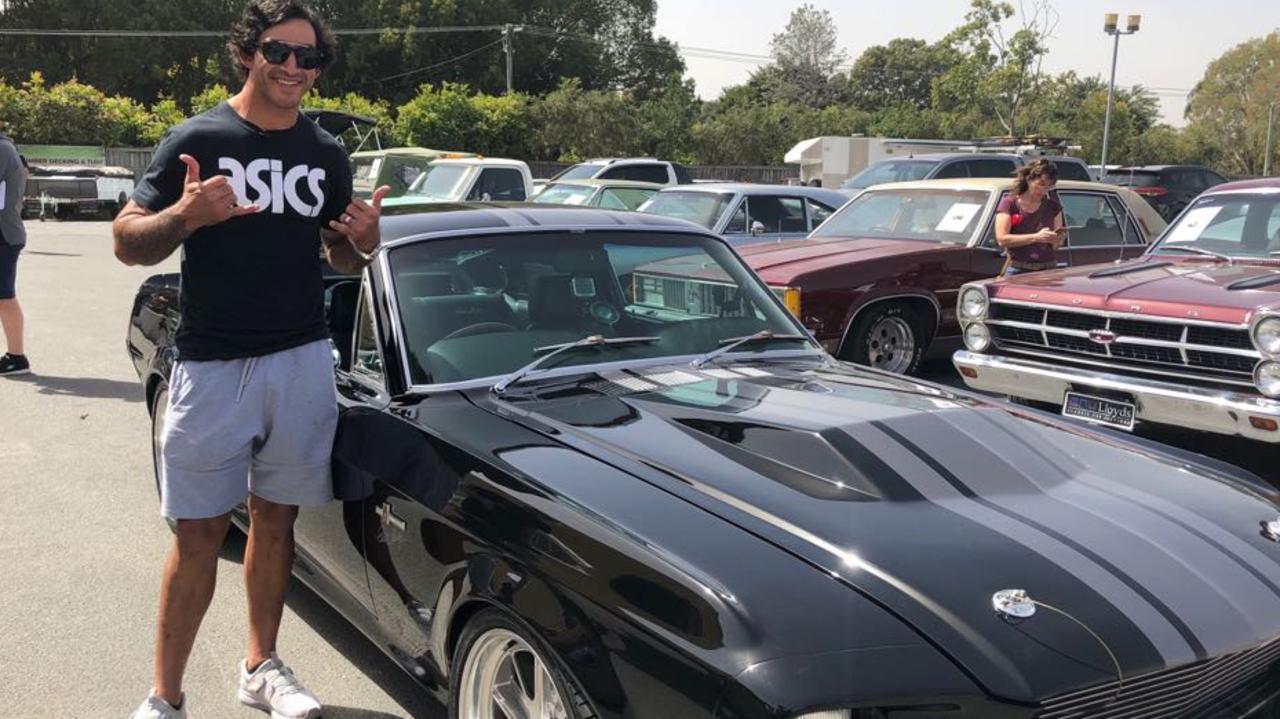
1029, 223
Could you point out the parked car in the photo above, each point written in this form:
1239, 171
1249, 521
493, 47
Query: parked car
64, 192
610, 194
395, 167
941, 166
679, 513
1167, 187
638, 169
1186, 335
744, 213
877, 282
478, 179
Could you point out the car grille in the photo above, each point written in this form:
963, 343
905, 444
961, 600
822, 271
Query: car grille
1169, 348
1196, 690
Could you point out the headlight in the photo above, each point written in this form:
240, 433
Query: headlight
1267, 377
974, 304
1266, 336
978, 338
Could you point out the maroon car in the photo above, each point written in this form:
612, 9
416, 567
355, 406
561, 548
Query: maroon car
1187, 335
877, 282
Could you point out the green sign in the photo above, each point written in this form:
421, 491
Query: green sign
64, 154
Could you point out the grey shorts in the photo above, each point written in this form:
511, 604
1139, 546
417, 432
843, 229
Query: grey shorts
262, 426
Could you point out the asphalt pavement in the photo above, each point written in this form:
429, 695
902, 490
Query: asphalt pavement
83, 542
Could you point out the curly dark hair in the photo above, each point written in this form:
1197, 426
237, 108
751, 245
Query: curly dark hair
1032, 171
260, 15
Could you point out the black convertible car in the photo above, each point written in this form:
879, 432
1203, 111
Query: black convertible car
574, 483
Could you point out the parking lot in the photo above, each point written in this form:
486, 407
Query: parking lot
84, 543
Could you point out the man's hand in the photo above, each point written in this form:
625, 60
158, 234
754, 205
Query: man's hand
207, 202
359, 223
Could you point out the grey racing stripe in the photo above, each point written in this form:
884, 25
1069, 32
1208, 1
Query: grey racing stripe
1265, 568
1169, 641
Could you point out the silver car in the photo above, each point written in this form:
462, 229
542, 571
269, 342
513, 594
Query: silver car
745, 213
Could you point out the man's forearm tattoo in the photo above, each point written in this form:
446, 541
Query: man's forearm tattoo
149, 240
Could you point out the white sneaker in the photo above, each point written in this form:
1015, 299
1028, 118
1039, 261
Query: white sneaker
272, 687
156, 708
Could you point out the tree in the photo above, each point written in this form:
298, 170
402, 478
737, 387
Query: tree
899, 73
1228, 107
994, 72
809, 41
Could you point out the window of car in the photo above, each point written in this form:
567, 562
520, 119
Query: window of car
366, 363
624, 198
1132, 235
1212, 178
364, 173
949, 170
738, 221
1091, 220
935, 215
890, 171
779, 215
403, 172
564, 193
818, 213
682, 174
1071, 170
992, 167
580, 171
439, 182
650, 172
1133, 178
499, 184
703, 208
517, 294
1244, 225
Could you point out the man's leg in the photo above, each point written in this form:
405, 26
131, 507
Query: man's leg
185, 593
11, 318
268, 558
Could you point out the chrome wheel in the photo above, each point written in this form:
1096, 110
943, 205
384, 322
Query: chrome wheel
504, 678
891, 344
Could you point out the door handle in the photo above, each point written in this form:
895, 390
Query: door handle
388, 517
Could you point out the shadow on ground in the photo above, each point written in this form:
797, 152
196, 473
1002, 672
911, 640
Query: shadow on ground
87, 387
350, 643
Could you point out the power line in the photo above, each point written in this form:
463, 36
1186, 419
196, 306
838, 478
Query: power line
37, 32
442, 63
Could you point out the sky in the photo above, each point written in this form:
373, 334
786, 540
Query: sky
1177, 41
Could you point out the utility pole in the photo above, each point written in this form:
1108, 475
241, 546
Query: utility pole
507, 48
1271, 121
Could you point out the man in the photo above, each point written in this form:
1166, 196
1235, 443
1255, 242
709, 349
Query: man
13, 236
246, 189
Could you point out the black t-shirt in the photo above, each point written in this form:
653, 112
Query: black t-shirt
252, 285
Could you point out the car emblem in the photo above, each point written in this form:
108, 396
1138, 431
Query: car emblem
1271, 530
1034, 296
1077, 301
1135, 308
1102, 337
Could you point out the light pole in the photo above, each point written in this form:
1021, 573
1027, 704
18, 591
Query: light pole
1109, 24
1271, 121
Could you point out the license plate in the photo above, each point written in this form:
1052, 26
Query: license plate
1098, 409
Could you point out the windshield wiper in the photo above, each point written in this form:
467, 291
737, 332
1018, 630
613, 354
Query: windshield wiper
588, 341
1200, 251
732, 343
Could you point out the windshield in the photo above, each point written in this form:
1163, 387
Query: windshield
364, 172
439, 182
580, 171
932, 215
890, 171
479, 307
703, 208
562, 194
1134, 179
1235, 225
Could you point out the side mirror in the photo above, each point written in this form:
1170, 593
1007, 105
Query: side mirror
757, 228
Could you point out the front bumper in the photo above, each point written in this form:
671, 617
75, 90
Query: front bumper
1168, 403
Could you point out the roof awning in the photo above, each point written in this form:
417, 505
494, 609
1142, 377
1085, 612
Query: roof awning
805, 151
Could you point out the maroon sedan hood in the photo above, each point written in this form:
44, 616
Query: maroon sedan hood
1164, 287
780, 261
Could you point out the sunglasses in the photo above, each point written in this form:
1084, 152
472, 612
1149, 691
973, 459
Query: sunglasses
276, 53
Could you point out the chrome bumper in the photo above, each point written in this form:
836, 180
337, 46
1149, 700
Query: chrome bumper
1166, 403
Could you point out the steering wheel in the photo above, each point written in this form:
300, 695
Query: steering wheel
479, 328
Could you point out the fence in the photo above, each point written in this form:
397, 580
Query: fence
134, 158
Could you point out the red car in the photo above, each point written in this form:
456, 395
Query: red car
1186, 335
877, 282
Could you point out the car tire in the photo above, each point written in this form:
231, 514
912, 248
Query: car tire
493, 651
159, 406
889, 336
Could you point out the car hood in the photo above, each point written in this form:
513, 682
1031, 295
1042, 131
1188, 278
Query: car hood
1157, 286
928, 502
780, 261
